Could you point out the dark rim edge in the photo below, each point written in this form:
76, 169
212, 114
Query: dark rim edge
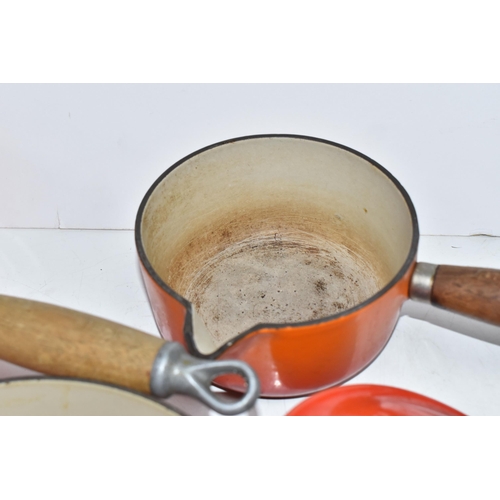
188, 326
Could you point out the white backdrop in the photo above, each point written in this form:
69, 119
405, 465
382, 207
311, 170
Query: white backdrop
82, 156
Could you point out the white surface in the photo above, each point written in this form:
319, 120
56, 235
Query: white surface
83, 156
97, 272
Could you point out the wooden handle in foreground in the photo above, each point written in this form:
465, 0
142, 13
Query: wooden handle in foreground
468, 290
59, 341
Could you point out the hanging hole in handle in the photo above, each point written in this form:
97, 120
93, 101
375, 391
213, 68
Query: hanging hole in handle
224, 396
219, 384
218, 387
199, 383
232, 383
229, 396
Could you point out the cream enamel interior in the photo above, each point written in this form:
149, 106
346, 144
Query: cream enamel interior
60, 397
274, 229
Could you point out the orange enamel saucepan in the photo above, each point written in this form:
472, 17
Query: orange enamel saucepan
293, 254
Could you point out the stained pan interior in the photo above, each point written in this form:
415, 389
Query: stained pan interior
274, 230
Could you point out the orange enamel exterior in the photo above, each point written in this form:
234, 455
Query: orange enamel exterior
293, 361
169, 313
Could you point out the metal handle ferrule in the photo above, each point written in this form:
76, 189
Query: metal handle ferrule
175, 371
422, 281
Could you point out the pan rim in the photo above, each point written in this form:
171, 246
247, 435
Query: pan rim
42, 378
188, 332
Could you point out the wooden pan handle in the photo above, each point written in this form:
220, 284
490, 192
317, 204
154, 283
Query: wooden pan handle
58, 341
473, 291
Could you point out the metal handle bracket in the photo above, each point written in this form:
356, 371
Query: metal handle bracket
176, 371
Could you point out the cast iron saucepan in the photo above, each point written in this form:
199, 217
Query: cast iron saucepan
293, 254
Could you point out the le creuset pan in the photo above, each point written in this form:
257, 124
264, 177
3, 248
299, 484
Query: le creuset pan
371, 400
293, 254
36, 396
58, 341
